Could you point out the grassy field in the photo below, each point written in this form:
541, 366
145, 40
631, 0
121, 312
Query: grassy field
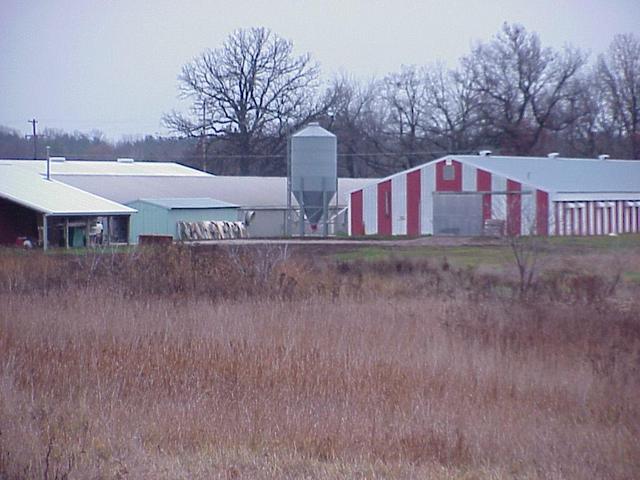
499, 255
256, 363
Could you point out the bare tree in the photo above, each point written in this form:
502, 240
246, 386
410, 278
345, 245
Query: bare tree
591, 130
521, 85
527, 253
452, 108
249, 93
619, 75
527, 244
404, 94
354, 115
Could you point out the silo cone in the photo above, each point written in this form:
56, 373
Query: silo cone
314, 204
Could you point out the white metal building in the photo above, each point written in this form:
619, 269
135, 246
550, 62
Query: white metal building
127, 181
469, 194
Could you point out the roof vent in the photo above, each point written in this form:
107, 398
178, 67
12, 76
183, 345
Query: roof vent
314, 124
603, 157
553, 155
58, 159
125, 160
484, 153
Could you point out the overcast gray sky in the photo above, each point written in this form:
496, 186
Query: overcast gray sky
112, 65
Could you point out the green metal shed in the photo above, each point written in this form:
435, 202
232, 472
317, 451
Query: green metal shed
160, 216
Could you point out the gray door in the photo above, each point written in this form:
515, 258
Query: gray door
457, 214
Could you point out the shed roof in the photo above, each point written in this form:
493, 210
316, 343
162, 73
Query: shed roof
102, 168
187, 203
253, 192
30, 189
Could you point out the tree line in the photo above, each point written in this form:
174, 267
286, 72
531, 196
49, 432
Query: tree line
95, 146
511, 95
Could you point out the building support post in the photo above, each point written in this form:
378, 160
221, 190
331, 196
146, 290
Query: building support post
287, 223
336, 219
66, 233
301, 220
45, 234
325, 210
87, 233
301, 205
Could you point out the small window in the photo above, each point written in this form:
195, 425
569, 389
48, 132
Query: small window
449, 172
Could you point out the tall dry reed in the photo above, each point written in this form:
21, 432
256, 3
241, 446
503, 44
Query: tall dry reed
357, 380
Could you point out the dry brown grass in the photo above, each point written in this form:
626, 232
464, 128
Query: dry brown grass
329, 373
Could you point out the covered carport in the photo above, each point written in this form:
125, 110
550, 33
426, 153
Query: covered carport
49, 213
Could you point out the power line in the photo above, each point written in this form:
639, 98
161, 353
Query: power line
403, 154
373, 154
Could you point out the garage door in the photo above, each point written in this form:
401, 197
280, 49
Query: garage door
457, 214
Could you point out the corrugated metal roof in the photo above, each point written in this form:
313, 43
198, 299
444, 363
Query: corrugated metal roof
582, 175
88, 167
187, 203
253, 192
32, 190
313, 130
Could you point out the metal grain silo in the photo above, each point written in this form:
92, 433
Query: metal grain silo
313, 174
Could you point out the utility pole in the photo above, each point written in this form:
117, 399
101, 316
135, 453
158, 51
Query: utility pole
33, 123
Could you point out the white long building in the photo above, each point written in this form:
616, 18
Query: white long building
126, 181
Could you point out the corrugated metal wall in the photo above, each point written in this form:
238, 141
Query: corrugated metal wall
150, 219
469, 178
483, 184
414, 202
370, 209
427, 187
356, 223
514, 207
385, 208
596, 217
498, 202
399, 205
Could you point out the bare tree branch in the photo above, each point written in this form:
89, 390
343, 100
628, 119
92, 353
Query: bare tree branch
253, 90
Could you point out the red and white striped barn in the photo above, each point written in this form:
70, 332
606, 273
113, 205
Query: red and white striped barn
476, 194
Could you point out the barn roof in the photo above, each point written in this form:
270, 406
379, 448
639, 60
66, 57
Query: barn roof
30, 189
253, 192
563, 175
108, 168
187, 203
